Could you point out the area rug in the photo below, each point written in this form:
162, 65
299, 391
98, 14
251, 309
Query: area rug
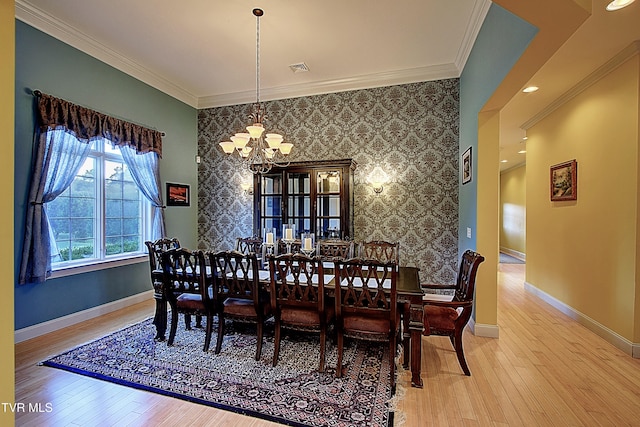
292, 393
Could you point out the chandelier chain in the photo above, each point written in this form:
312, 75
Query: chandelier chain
257, 59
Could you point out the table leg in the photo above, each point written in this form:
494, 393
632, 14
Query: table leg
406, 335
415, 329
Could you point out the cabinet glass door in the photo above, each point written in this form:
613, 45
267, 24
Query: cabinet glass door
299, 201
328, 209
271, 203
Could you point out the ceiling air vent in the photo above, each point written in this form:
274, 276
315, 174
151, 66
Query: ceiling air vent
299, 68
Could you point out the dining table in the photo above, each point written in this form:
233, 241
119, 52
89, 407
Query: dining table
409, 299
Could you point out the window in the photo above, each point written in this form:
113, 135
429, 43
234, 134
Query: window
315, 196
102, 215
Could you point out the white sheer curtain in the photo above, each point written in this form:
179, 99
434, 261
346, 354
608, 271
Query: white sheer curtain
59, 156
145, 173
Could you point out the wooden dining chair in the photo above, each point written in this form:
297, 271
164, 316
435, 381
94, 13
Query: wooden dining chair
366, 301
253, 244
155, 249
449, 318
380, 250
298, 299
332, 249
238, 293
187, 288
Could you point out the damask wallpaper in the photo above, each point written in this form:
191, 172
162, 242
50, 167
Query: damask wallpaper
410, 132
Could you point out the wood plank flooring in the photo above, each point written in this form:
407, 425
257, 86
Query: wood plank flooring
544, 370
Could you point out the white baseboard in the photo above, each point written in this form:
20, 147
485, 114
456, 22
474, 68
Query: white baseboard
630, 348
81, 316
520, 255
484, 330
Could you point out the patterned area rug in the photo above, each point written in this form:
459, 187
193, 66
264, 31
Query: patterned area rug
292, 393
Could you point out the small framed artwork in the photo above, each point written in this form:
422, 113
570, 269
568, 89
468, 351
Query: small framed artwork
564, 181
177, 194
466, 166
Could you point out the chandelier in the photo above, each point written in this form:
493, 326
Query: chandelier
257, 152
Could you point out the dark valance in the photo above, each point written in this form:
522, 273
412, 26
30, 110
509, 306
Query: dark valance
87, 125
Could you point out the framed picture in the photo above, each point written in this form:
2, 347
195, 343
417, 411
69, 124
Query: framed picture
564, 181
465, 171
177, 194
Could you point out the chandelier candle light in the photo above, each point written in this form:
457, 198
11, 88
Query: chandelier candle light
258, 153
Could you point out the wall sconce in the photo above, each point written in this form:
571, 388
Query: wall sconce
377, 179
247, 188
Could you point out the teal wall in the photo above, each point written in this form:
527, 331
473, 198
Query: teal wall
500, 42
45, 63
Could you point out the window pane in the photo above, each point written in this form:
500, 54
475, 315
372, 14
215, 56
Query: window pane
64, 249
271, 184
132, 244
113, 227
83, 207
81, 228
113, 208
82, 248
329, 182
113, 189
299, 206
131, 227
131, 208
329, 205
114, 245
270, 223
59, 208
303, 225
299, 183
271, 206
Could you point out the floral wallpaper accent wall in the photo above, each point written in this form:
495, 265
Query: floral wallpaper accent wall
409, 132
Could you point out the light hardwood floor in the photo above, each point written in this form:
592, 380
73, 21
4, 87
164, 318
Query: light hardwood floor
544, 370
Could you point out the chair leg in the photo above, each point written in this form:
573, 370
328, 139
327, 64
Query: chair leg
392, 362
276, 342
208, 332
220, 333
323, 348
174, 325
187, 322
340, 350
259, 343
457, 344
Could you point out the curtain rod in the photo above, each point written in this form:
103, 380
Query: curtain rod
38, 92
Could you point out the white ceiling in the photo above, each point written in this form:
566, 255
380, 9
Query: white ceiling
203, 52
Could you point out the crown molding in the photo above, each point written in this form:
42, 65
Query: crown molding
480, 10
44, 22
414, 75
623, 56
